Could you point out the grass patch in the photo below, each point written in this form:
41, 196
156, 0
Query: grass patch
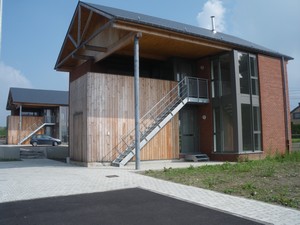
296, 140
274, 179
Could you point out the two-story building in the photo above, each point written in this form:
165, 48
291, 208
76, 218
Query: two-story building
34, 111
200, 91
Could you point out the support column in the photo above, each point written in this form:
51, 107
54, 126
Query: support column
137, 100
20, 123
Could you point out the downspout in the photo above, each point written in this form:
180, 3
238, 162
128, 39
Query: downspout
285, 105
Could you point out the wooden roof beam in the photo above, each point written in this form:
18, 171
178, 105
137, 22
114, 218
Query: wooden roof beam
72, 40
127, 39
98, 31
82, 57
166, 34
86, 26
95, 48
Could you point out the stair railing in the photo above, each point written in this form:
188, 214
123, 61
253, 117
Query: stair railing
29, 131
187, 87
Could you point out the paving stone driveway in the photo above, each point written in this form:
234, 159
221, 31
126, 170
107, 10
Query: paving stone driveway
38, 178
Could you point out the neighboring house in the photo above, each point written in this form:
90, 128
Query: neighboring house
36, 111
295, 115
200, 90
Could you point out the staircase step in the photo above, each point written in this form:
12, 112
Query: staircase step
196, 157
31, 154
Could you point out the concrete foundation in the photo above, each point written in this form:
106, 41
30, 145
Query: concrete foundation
9, 152
12, 152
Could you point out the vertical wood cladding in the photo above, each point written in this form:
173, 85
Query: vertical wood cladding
272, 105
27, 128
106, 103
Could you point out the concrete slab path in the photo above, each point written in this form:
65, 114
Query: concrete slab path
39, 178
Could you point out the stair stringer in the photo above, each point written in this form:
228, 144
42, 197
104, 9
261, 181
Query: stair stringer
131, 153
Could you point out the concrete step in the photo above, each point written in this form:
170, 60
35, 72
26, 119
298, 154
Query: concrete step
31, 154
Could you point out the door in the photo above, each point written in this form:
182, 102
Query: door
189, 130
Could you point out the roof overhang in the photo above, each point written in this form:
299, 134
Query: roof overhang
95, 34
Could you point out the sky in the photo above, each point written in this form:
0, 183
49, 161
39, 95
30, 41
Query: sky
33, 32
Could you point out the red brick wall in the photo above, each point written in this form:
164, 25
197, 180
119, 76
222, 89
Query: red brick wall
272, 105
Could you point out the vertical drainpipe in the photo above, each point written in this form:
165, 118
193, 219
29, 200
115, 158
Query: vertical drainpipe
285, 104
20, 123
137, 100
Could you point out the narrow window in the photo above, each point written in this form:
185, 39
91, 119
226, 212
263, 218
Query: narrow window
244, 73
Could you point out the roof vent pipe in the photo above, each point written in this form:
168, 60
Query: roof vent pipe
213, 27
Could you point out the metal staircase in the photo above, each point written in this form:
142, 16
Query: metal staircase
190, 89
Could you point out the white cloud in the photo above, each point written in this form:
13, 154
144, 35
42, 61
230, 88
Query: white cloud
212, 8
274, 27
9, 77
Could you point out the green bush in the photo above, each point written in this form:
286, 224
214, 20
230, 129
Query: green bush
3, 132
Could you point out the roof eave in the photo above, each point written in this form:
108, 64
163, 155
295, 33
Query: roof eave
234, 45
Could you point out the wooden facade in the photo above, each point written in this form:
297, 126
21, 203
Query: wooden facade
102, 111
28, 124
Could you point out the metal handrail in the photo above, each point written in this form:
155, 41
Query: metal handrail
184, 89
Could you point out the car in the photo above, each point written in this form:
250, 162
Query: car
42, 139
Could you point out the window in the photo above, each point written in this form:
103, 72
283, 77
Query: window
246, 127
215, 78
235, 100
254, 76
244, 73
222, 95
249, 102
256, 128
225, 75
296, 115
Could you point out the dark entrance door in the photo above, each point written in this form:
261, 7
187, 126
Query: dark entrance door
189, 129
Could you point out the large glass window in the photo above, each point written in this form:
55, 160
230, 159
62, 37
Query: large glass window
244, 73
246, 127
249, 102
225, 75
222, 95
235, 100
215, 78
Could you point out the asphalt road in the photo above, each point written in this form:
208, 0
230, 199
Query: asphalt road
128, 206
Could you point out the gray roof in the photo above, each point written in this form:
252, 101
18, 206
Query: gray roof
138, 18
38, 97
295, 109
